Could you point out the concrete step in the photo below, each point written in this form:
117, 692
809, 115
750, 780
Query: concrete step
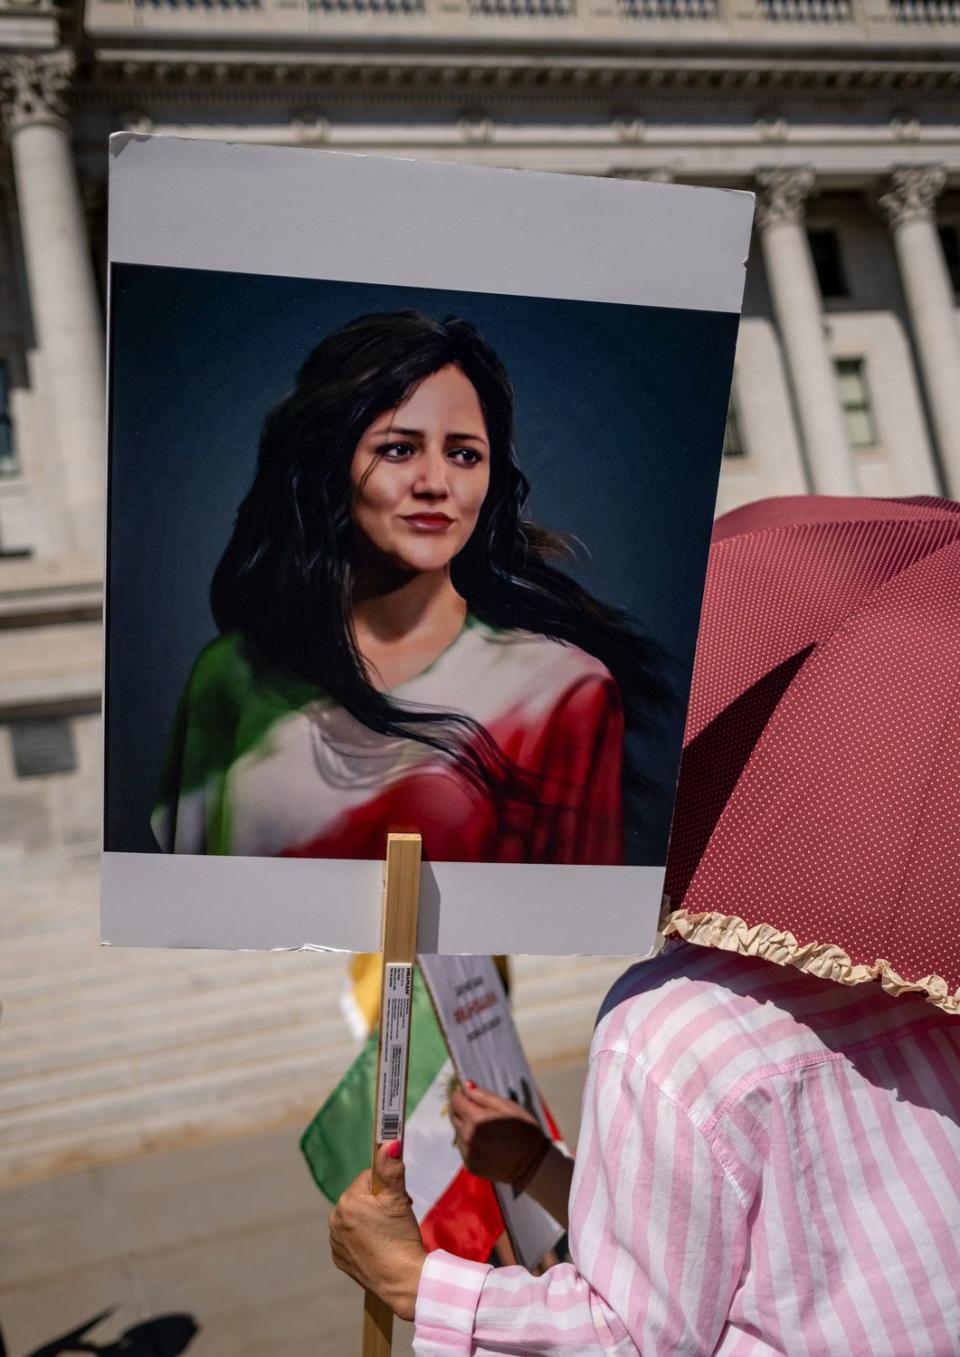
174, 1063
140, 990
35, 1051
183, 1098
108, 1053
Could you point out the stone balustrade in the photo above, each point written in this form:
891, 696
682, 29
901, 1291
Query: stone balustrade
926, 11
671, 9
770, 21
807, 11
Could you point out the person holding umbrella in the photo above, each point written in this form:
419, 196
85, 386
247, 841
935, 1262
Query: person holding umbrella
769, 1159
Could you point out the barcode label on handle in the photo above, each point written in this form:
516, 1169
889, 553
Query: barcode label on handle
394, 1039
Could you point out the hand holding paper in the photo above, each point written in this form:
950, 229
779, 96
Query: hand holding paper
501, 1140
497, 1138
375, 1238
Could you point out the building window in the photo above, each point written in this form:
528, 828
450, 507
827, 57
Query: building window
43, 746
828, 263
9, 466
732, 441
855, 400
950, 240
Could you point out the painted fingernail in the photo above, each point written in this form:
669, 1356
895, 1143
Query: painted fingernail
394, 1149
471, 1084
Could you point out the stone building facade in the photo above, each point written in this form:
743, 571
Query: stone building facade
840, 114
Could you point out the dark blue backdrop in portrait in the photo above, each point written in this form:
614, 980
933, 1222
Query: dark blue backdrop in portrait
620, 417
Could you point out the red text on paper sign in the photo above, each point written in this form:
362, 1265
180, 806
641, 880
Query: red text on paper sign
475, 1006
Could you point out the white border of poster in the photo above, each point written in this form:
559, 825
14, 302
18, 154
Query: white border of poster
191, 204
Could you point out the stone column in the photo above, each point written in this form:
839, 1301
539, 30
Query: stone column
907, 202
63, 296
799, 316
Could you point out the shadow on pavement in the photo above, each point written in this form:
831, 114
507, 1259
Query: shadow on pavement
165, 1336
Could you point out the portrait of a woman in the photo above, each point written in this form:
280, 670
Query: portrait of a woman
400, 647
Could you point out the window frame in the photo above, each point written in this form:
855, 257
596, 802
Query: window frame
951, 257
860, 369
13, 471
62, 746
826, 230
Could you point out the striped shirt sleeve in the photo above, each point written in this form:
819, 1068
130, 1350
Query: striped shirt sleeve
658, 1229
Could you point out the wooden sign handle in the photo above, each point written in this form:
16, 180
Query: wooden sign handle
401, 897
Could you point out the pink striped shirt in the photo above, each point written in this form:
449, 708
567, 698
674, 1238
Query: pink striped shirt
768, 1163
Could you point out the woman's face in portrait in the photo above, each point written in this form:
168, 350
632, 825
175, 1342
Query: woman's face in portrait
420, 473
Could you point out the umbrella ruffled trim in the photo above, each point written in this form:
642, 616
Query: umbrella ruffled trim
823, 959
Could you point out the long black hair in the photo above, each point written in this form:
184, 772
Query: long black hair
284, 581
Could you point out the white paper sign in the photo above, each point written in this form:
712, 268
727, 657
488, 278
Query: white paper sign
475, 1016
568, 343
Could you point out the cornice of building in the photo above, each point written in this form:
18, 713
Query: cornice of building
263, 73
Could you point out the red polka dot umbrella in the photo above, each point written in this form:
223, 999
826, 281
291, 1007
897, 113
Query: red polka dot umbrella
818, 811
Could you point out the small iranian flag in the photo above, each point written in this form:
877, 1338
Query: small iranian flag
455, 1210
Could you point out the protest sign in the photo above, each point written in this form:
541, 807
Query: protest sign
479, 1030
330, 369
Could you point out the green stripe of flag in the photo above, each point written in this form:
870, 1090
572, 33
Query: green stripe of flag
337, 1143
227, 709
